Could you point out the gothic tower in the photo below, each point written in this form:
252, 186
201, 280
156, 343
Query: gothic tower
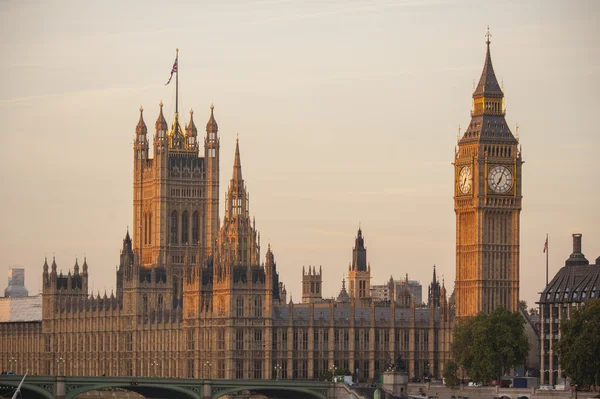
311, 285
359, 272
487, 203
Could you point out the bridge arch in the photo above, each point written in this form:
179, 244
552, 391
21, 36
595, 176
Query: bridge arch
302, 392
141, 388
28, 390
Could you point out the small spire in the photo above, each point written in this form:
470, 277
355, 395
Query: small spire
237, 164
141, 126
211, 125
488, 35
191, 127
161, 122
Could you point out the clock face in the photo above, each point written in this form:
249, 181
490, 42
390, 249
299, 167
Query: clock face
500, 179
465, 177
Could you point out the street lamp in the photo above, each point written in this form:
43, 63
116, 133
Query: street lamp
207, 366
60, 362
12, 364
333, 370
277, 370
154, 365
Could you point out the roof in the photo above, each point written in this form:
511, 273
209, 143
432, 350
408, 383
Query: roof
576, 281
21, 309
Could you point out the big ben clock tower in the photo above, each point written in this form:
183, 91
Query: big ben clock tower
487, 203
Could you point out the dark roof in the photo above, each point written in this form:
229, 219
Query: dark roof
576, 281
488, 84
489, 128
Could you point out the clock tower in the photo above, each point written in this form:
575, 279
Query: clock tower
487, 203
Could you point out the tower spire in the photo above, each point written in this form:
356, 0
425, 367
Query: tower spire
237, 164
488, 83
177, 81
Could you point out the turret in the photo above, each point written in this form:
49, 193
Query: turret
311, 285
191, 132
211, 161
359, 274
141, 141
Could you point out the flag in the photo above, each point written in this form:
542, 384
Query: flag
546, 245
173, 70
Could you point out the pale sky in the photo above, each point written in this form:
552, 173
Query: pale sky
347, 112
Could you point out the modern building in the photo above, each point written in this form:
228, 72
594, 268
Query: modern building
393, 288
194, 299
487, 203
16, 283
576, 282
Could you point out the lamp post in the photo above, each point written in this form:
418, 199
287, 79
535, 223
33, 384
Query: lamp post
207, 366
333, 370
60, 362
277, 370
12, 364
154, 365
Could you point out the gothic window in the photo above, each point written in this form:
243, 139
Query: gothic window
305, 339
174, 227
185, 227
145, 304
239, 307
258, 340
258, 306
195, 232
257, 369
239, 339
239, 369
160, 304
150, 228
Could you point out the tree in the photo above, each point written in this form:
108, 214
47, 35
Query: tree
488, 344
579, 344
450, 374
533, 311
523, 304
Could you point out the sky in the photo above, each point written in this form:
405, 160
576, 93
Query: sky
347, 113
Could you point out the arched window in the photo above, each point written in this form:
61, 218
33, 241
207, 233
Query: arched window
160, 304
174, 227
150, 228
258, 306
185, 223
195, 230
239, 307
145, 304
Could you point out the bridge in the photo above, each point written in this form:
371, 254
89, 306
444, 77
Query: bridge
51, 387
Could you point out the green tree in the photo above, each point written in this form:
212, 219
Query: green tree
488, 344
579, 344
450, 374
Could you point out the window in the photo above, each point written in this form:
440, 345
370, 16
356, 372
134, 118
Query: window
239, 369
258, 306
174, 227
239, 339
185, 227
239, 307
258, 340
257, 369
159, 304
145, 304
195, 230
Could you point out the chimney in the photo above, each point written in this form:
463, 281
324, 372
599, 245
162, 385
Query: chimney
577, 243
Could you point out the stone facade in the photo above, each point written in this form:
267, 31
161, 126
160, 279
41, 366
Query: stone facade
193, 298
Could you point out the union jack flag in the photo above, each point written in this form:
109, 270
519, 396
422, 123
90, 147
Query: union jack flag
173, 70
546, 245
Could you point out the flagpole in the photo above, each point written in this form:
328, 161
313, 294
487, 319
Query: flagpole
547, 250
177, 82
